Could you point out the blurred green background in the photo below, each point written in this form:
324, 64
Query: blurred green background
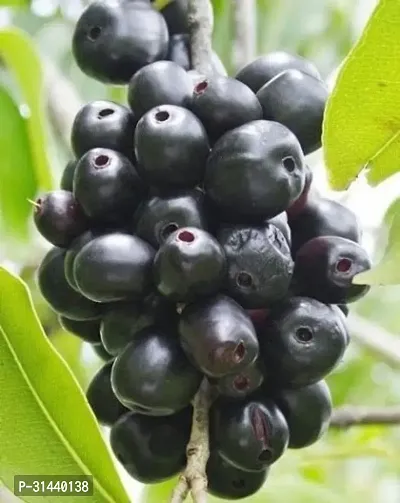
41, 89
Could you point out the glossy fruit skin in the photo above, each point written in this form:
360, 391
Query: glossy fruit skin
228, 482
281, 221
298, 101
246, 177
345, 309
301, 342
59, 217
179, 50
190, 264
171, 147
223, 103
307, 411
266, 67
160, 215
114, 40
251, 434
218, 336
88, 331
114, 267
161, 83
152, 449
101, 398
154, 373
298, 206
71, 253
67, 177
103, 124
57, 292
176, 14
122, 322
260, 265
244, 383
102, 353
324, 217
325, 267
107, 185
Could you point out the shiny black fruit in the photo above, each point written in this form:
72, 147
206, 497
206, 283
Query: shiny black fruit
113, 40
171, 147
114, 267
161, 215
307, 411
107, 185
101, 398
218, 336
223, 103
59, 217
296, 100
103, 124
176, 16
102, 353
89, 330
242, 384
190, 264
296, 208
228, 482
154, 373
179, 50
324, 217
302, 341
281, 221
59, 294
260, 265
266, 67
123, 321
251, 434
67, 177
325, 267
255, 171
161, 83
152, 449
75, 247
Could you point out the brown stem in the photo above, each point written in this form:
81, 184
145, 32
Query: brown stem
350, 415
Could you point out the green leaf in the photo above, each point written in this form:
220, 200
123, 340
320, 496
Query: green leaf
18, 182
14, 3
387, 272
47, 427
20, 57
362, 121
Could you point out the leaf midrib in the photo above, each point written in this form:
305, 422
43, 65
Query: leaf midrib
52, 422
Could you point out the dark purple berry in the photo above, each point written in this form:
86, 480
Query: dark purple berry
242, 384
176, 15
171, 147
255, 171
89, 330
325, 267
103, 124
101, 398
218, 336
300, 203
251, 434
281, 222
59, 217
161, 83
102, 353
301, 342
260, 265
154, 373
296, 100
67, 177
190, 264
114, 267
113, 40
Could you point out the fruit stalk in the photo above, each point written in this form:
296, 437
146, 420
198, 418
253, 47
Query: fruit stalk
350, 416
200, 21
194, 479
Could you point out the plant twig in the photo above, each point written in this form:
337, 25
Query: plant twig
350, 415
375, 338
194, 478
200, 21
63, 102
245, 48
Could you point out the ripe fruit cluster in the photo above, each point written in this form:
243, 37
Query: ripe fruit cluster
189, 243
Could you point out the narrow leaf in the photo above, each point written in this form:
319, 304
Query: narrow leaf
387, 272
20, 57
46, 426
18, 183
362, 120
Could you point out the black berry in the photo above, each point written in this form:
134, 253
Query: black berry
67, 177
89, 330
242, 384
